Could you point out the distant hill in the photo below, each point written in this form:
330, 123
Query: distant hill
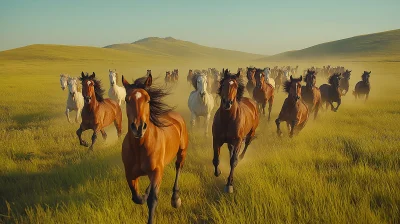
383, 45
178, 48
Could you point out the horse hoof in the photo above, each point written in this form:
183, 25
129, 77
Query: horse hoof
176, 203
217, 173
241, 156
84, 143
229, 189
91, 148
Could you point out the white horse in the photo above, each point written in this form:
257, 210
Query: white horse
268, 79
200, 101
286, 75
63, 81
75, 99
116, 93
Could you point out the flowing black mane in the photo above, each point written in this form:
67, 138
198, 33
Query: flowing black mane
333, 77
288, 84
239, 80
157, 106
99, 92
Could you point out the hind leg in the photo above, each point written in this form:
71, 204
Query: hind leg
247, 142
175, 199
270, 102
278, 127
103, 134
118, 125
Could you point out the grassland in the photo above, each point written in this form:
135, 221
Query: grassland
342, 168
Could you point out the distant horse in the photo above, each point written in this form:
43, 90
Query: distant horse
63, 81
97, 112
263, 93
363, 87
116, 93
175, 75
200, 101
311, 94
75, 99
156, 135
235, 121
267, 73
189, 77
294, 111
330, 92
251, 81
281, 79
168, 77
344, 82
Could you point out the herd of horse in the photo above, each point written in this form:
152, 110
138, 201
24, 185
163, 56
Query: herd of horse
157, 134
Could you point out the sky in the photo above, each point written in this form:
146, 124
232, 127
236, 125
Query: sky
264, 27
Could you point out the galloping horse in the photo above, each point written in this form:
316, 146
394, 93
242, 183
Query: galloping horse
294, 111
175, 75
363, 87
251, 81
189, 77
310, 93
330, 92
97, 113
267, 74
116, 93
75, 99
168, 77
155, 136
235, 121
263, 93
200, 101
281, 78
344, 82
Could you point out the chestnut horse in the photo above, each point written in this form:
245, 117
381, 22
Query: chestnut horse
363, 87
294, 111
97, 113
310, 93
155, 136
251, 81
331, 93
263, 93
235, 121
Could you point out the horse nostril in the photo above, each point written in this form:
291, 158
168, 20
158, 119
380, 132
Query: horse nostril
144, 125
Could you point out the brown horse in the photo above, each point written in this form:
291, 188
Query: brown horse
168, 77
363, 87
263, 93
97, 112
251, 81
344, 82
235, 121
175, 75
278, 79
294, 111
310, 93
155, 136
331, 93
189, 77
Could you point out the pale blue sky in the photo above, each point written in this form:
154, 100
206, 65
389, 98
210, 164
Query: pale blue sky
265, 27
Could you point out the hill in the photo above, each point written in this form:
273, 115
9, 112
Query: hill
178, 48
383, 46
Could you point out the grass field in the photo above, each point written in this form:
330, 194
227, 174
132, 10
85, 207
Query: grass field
342, 168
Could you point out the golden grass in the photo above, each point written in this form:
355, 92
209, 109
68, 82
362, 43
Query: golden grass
342, 168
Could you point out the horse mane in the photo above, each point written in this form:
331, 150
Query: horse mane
239, 80
157, 106
288, 84
194, 80
309, 72
333, 77
99, 92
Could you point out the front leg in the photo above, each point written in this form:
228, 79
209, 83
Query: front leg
217, 149
366, 97
292, 125
79, 133
207, 122
94, 137
278, 127
67, 114
152, 200
104, 134
338, 104
78, 114
193, 118
234, 152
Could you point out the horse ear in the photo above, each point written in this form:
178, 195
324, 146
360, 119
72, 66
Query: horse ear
125, 82
301, 78
238, 74
93, 75
149, 80
369, 72
83, 75
291, 78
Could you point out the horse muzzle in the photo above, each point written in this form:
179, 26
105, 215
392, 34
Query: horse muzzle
227, 104
138, 130
87, 99
202, 94
63, 88
112, 83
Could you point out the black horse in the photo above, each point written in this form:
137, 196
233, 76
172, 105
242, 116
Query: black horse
330, 92
363, 87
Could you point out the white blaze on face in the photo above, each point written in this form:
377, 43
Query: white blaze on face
231, 82
88, 83
138, 95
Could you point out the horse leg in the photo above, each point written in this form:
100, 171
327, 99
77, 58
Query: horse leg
193, 120
118, 124
366, 97
79, 133
94, 138
234, 151
175, 199
103, 133
67, 114
278, 128
338, 104
270, 102
152, 200
264, 104
207, 122
217, 149
316, 109
292, 125
78, 113
247, 142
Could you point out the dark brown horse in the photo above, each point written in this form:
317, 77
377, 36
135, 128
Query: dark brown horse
263, 93
344, 82
294, 110
97, 112
310, 93
235, 122
189, 77
251, 81
363, 87
156, 135
330, 93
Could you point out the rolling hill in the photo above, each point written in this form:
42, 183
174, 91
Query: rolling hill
178, 48
381, 46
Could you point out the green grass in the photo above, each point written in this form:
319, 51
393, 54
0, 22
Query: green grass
342, 168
